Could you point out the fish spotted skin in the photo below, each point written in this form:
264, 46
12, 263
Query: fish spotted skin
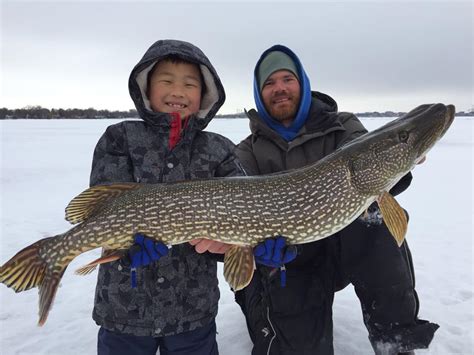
304, 205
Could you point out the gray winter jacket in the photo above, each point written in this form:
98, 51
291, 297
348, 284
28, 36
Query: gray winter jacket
325, 130
180, 292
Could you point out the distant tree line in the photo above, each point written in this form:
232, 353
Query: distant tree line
38, 112
232, 115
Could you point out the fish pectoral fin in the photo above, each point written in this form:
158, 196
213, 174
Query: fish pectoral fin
107, 257
93, 199
394, 216
239, 265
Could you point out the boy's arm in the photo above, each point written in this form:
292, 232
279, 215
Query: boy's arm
245, 154
111, 162
230, 165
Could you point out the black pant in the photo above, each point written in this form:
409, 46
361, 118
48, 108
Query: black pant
384, 280
296, 319
300, 318
201, 341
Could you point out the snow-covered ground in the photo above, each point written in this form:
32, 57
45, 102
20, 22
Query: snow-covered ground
44, 164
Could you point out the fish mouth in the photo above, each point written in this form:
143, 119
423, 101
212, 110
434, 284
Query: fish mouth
431, 123
451, 111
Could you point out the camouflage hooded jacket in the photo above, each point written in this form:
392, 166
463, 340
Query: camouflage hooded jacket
180, 292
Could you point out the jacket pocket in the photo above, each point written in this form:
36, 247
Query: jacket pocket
116, 299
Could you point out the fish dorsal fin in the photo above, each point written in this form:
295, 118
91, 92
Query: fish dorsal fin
93, 199
239, 264
394, 216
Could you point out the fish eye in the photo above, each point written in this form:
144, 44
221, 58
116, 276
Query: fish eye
403, 136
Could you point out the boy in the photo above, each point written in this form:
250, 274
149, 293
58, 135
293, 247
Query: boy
176, 92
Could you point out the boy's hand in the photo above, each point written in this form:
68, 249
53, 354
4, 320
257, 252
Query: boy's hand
144, 252
202, 245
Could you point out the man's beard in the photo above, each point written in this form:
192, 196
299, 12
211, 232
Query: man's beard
285, 113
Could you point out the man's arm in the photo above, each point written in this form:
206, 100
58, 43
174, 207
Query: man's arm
353, 128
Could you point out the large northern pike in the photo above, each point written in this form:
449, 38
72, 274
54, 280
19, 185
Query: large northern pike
304, 205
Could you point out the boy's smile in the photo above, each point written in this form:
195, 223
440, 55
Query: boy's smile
176, 106
175, 87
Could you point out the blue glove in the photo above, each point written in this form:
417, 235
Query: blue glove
144, 252
273, 252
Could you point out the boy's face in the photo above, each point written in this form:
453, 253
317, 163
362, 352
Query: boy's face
175, 87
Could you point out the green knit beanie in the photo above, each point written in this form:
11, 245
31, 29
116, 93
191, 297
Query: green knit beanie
273, 62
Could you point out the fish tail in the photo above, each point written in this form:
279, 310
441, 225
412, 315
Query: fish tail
27, 269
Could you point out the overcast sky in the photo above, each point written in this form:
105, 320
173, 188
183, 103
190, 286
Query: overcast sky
375, 55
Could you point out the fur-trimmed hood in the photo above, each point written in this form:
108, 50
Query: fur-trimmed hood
211, 101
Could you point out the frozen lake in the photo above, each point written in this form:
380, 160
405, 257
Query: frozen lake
44, 164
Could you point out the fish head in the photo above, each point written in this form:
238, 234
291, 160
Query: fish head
379, 159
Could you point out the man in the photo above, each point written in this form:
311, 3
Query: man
291, 128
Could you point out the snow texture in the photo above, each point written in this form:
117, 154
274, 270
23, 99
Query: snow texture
44, 164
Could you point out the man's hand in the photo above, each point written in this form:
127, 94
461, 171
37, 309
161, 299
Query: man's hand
273, 252
202, 245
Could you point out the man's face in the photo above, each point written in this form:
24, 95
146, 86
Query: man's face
175, 87
281, 94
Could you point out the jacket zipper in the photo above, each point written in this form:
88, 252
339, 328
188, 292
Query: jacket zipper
273, 330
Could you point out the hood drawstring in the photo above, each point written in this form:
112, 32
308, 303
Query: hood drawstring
176, 126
